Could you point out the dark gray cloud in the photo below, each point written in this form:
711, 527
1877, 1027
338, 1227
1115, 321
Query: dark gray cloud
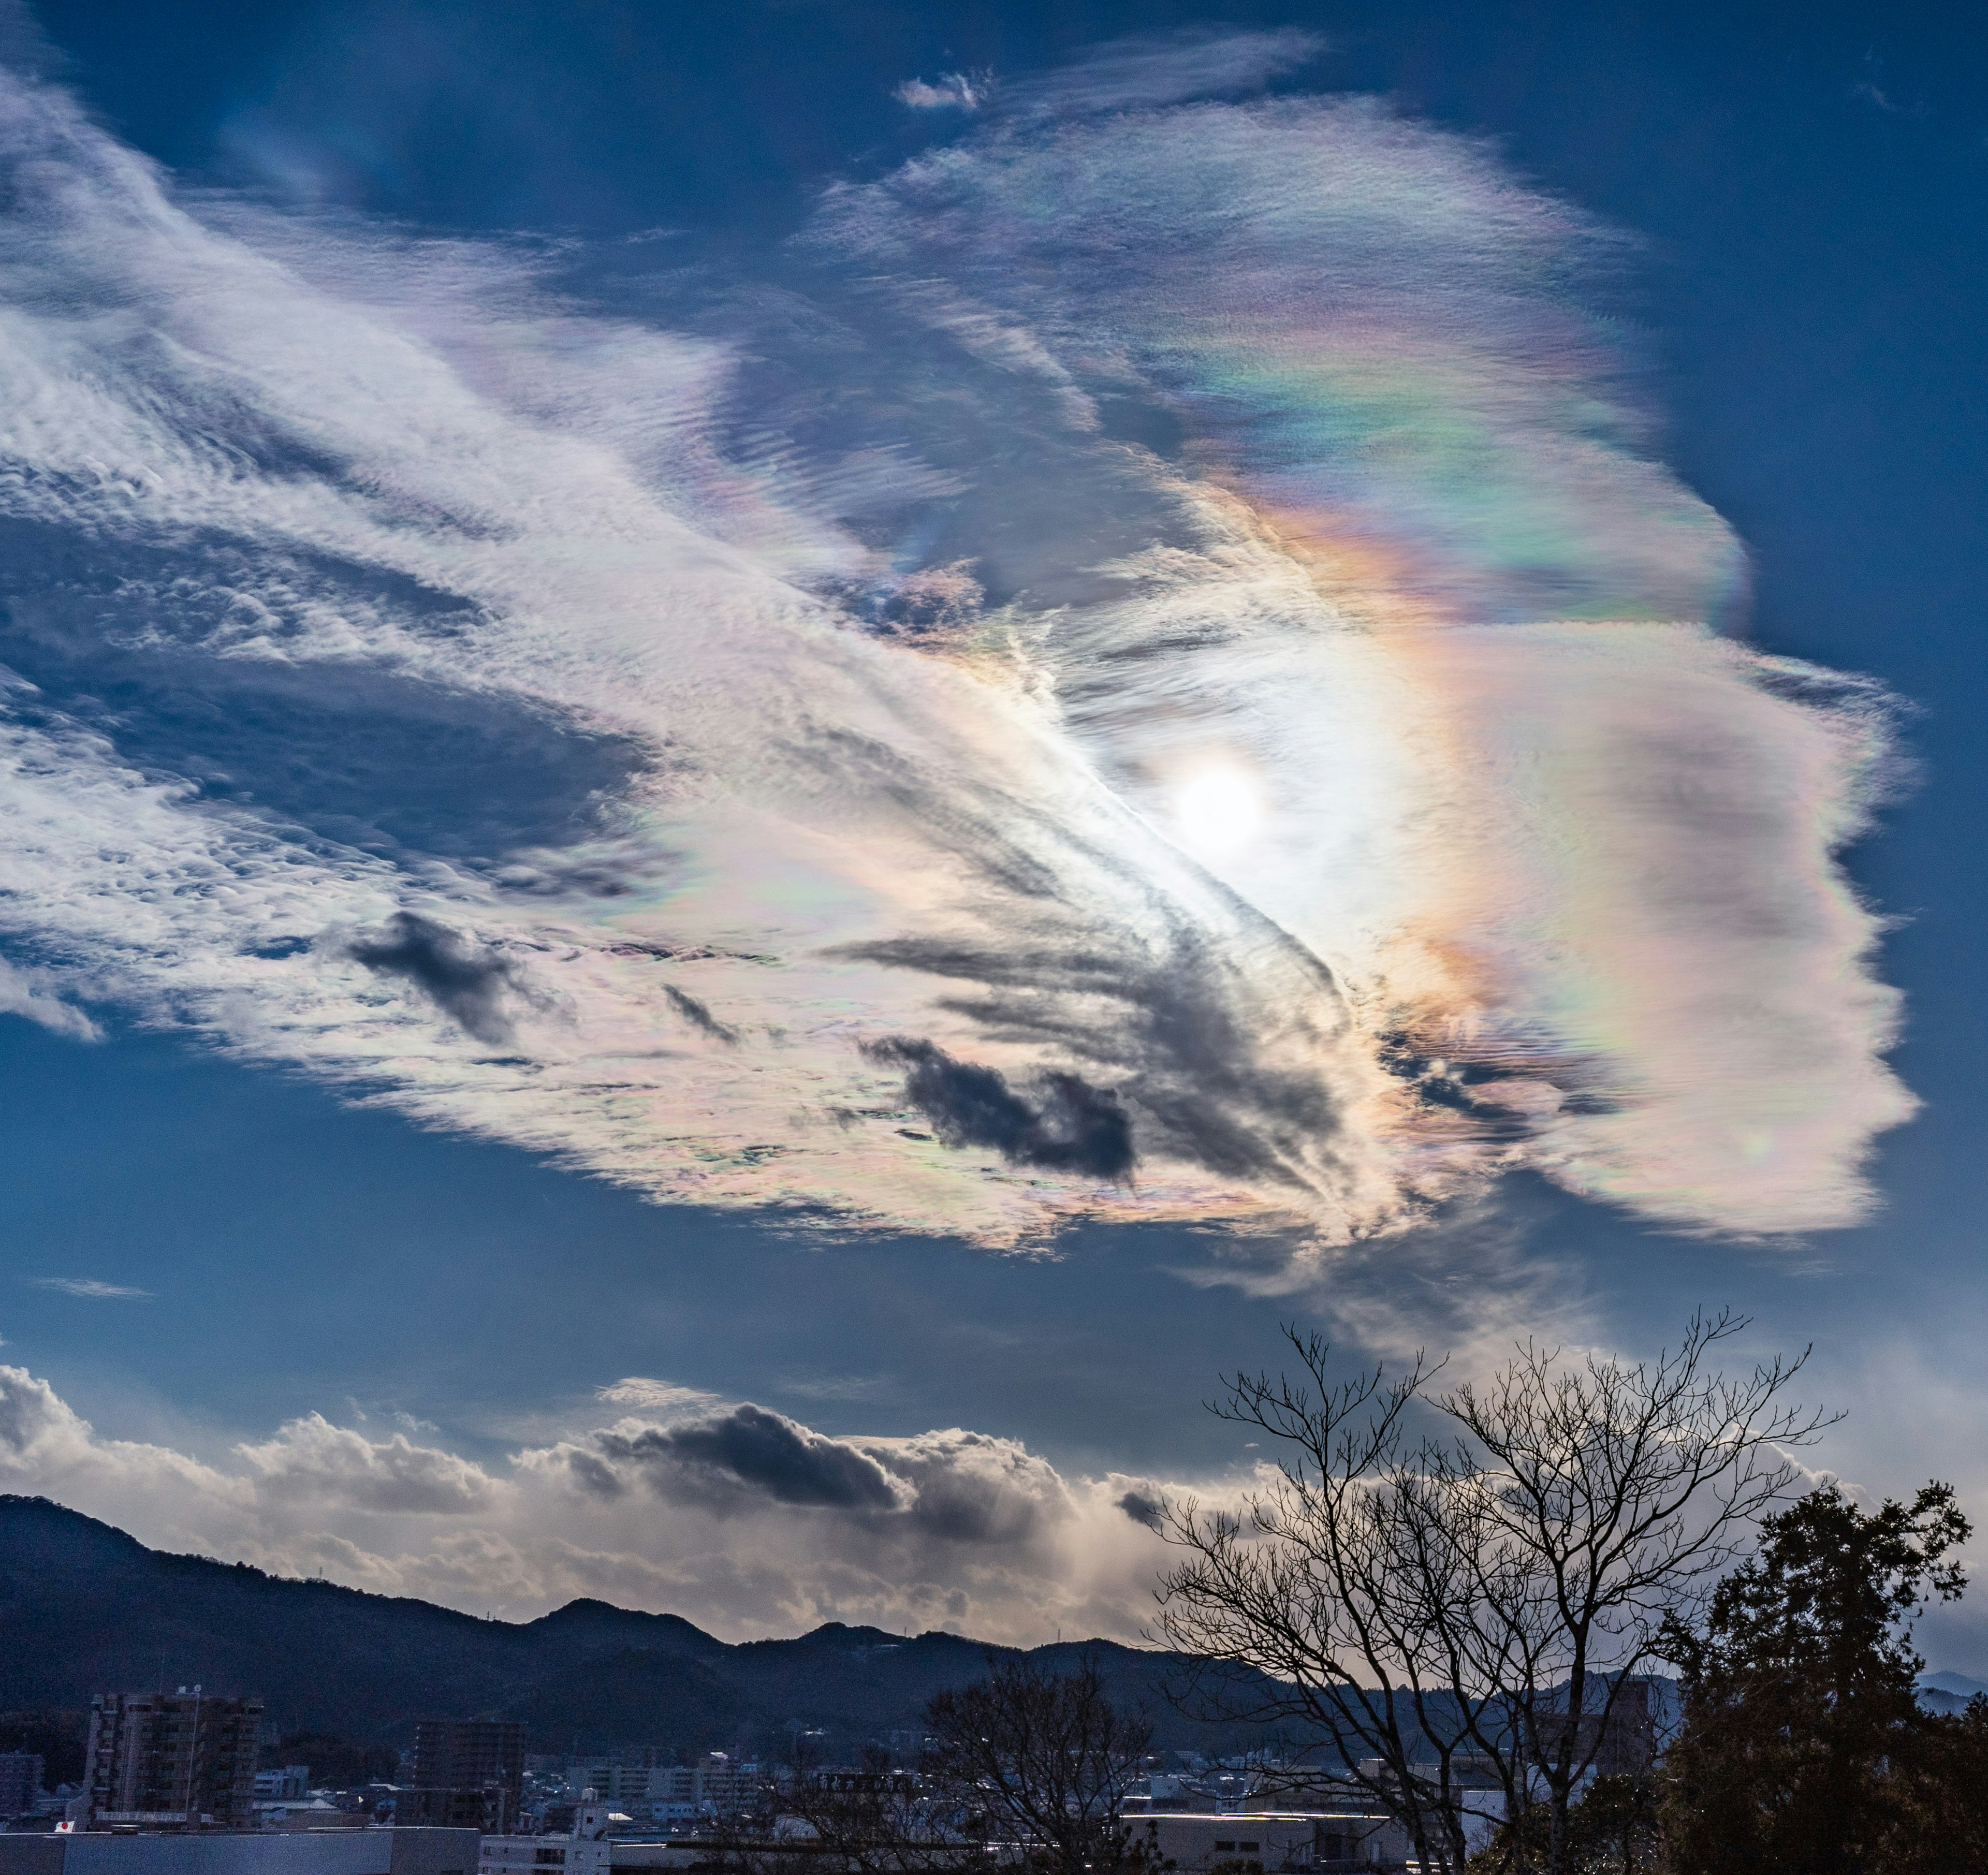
593, 1474
1070, 1127
762, 1453
465, 980
954, 1486
1142, 1508
698, 1016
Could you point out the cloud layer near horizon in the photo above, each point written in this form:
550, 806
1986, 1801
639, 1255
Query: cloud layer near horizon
739, 1518
1162, 678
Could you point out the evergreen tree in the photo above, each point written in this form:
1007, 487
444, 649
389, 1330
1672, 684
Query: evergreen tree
1939, 1824
1803, 1737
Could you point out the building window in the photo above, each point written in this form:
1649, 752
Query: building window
1225, 1846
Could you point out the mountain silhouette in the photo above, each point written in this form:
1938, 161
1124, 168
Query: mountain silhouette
86, 1609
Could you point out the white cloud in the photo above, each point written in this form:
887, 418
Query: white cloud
1203, 62
1577, 849
311, 1458
954, 91
634, 844
744, 1521
47, 1449
92, 1287
25, 992
656, 1396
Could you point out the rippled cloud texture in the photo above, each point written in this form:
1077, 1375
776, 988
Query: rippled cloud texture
1148, 667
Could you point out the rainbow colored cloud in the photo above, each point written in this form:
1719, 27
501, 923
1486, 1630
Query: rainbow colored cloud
1160, 676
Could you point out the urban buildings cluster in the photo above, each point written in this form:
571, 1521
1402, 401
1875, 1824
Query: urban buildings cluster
186, 1762
171, 1786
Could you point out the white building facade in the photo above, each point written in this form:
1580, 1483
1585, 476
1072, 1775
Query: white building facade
586, 1850
678, 1795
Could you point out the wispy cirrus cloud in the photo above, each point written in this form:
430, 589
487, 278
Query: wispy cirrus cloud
91, 1288
1153, 70
721, 767
651, 1395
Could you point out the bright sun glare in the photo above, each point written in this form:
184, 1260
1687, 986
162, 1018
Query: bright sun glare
1217, 809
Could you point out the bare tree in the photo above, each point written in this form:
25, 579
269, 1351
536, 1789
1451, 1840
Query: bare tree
873, 1820
1440, 1611
1046, 1758
1027, 1767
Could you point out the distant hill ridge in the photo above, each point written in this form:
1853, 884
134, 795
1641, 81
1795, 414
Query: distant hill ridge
85, 1608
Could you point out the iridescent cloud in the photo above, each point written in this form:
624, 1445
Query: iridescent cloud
1160, 678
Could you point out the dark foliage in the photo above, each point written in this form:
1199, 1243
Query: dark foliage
1804, 1751
1611, 1830
1939, 1820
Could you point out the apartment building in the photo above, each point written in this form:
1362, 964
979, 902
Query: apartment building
468, 1754
1268, 1842
170, 1760
469, 1774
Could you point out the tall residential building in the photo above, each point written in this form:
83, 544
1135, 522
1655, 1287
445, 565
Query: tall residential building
488, 1809
466, 1773
170, 1760
467, 1754
20, 1781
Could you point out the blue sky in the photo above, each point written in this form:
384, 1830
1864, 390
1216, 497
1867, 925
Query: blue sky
1793, 319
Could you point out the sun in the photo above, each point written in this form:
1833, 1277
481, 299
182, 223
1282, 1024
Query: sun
1217, 809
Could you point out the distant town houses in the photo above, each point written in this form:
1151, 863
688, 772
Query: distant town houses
585, 1849
183, 1763
170, 1786
716, 1786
